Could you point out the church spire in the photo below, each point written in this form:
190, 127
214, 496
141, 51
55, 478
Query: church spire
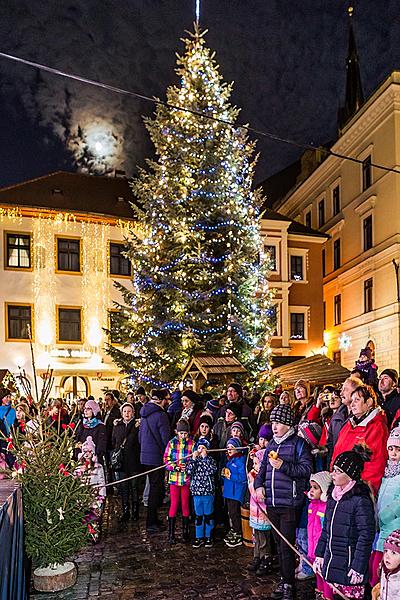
354, 92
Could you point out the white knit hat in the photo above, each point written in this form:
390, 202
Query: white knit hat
394, 437
324, 480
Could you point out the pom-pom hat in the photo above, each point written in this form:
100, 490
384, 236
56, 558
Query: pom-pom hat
392, 542
282, 414
311, 432
94, 406
394, 438
352, 462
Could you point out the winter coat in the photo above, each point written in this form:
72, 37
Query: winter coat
108, 420
336, 424
154, 434
193, 420
98, 434
201, 472
390, 584
258, 517
7, 416
302, 412
285, 487
131, 451
176, 452
388, 508
347, 535
391, 404
235, 487
368, 371
94, 476
222, 430
373, 432
247, 417
316, 516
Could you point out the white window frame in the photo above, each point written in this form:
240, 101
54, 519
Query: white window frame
303, 252
306, 311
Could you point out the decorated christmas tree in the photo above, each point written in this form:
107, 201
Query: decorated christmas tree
199, 274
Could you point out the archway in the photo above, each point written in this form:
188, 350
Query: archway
75, 386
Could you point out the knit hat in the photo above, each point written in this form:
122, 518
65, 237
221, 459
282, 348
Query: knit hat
260, 454
237, 387
392, 373
265, 432
206, 419
202, 442
311, 432
282, 414
392, 541
394, 438
212, 405
191, 395
324, 480
239, 425
235, 442
126, 404
235, 408
94, 406
88, 445
141, 391
304, 384
4, 392
159, 394
183, 425
366, 352
352, 462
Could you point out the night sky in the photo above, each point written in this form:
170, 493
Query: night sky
286, 57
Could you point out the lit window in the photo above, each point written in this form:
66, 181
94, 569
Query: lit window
18, 319
297, 326
18, 252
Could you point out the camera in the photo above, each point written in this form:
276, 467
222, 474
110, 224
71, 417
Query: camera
328, 396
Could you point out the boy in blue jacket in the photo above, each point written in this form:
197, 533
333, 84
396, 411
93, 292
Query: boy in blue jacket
234, 478
281, 482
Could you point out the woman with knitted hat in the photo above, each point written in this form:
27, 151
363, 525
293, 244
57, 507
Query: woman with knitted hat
192, 408
205, 430
345, 545
90, 425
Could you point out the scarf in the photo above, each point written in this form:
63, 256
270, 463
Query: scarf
392, 468
91, 423
339, 492
279, 440
186, 413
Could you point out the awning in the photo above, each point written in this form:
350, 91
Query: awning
318, 370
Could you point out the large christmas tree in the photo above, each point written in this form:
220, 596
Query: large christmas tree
199, 275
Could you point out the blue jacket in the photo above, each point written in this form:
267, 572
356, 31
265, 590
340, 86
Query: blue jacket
285, 487
201, 473
154, 434
8, 416
347, 535
235, 487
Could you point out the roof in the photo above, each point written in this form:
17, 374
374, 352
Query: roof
277, 185
73, 192
214, 364
294, 226
317, 369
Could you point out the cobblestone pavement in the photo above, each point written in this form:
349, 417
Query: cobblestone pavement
128, 564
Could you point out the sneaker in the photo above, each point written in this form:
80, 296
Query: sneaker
198, 542
303, 576
236, 540
208, 543
264, 568
229, 535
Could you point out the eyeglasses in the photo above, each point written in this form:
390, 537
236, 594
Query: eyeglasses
337, 470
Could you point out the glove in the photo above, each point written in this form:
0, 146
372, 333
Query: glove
317, 566
355, 578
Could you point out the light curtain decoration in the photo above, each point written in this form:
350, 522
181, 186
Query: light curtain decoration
44, 281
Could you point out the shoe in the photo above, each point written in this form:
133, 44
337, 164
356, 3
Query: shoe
185, 529
229, 535
277, 592
288, 592
236, 540
301, 576
254, 564
264, 567
171, 530
208, 543
198, 543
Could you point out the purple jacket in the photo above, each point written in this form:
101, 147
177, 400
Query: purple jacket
154, 434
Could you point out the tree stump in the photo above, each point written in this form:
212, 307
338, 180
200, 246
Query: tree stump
55, 579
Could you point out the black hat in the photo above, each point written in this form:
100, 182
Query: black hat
392, 373
206, 419
235, 408
352, 462
141, 391
282, 414
159, 394
191, 395
183, 425
237, 387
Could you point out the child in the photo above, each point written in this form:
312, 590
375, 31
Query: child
237, 431
175, 459
366, 367
389, 588
92, 473
282, 481
201, 469
317, 495
262, 562
234, 489
388, 503
345, 545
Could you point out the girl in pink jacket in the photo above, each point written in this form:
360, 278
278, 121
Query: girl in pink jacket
262, 561
319, 484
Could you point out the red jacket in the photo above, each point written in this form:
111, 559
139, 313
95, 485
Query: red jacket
373, 432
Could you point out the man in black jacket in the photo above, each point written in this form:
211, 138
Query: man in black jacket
389, 398
111, 413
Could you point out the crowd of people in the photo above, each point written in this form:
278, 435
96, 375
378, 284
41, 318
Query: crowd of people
319, 471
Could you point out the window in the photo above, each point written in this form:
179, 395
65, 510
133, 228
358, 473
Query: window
307, 219
119, 264
321, 213
273, 317
336, 200
19, 316
368, 289
271, 251
297, 326
367, 233
366, 173
337, 357
337, 305
336, 254
18, 251
114, 317
68, 255
324, 313
69, 324
296, 268
323, 262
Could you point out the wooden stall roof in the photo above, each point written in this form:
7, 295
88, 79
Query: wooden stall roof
318, 370
214, 364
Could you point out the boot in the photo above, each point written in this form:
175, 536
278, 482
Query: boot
277, 592
171, 530
135, 511
288, 592
185, 529
254, 564
264, 567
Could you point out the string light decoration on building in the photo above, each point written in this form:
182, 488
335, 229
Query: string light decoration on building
44, 282
200, 279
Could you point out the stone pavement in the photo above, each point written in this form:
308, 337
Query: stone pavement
128, 564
